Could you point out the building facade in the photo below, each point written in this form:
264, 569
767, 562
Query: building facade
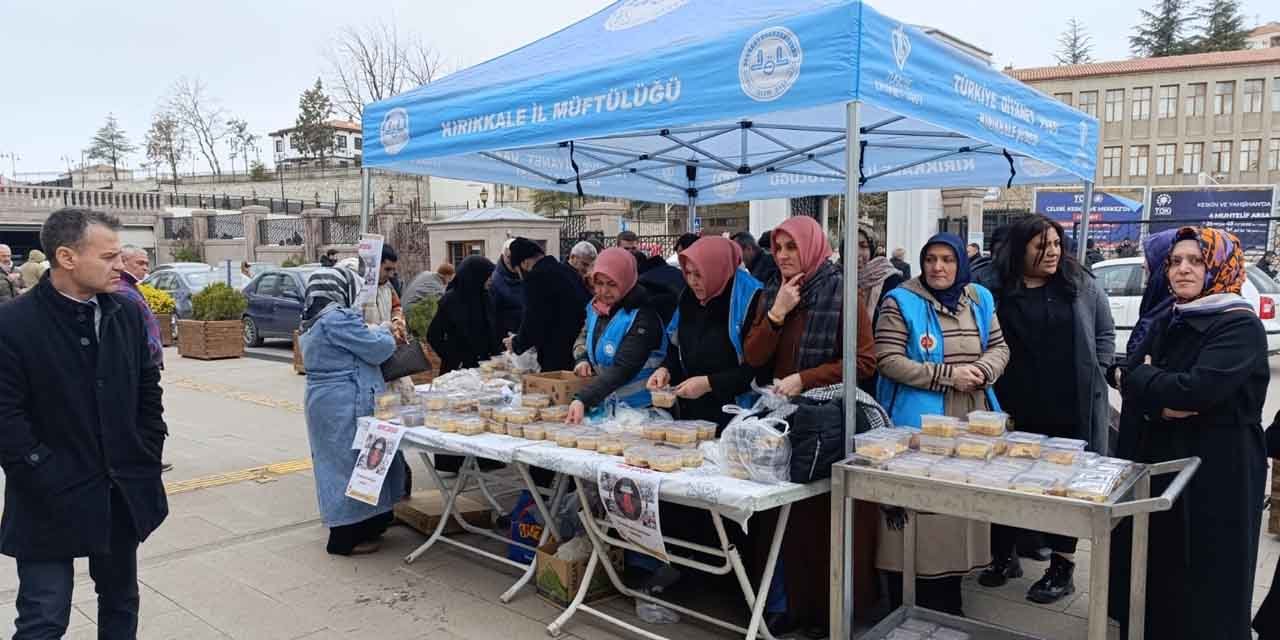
1178, 120
1267, 35
348, 144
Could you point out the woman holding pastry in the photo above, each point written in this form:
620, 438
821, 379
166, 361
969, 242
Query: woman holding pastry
939, 347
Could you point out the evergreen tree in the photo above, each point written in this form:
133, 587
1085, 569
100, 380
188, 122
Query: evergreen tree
1074, 45
312, 134
1222, 27
1161, 31
111, 144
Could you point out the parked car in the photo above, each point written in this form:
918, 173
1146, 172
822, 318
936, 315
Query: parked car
1124, 279
275, 304
185, 279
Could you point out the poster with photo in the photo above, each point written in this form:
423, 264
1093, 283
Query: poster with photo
630, 496
369, 254
381, 441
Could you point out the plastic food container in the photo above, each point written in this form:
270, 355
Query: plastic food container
988, 423
433, 400
937, 445
706, 429
520, 415
664, 398
656, 431
609, 445
682, 434
1092, 486
666, 462
1062, 450
567, 438
471, 426
875, 448
411, 417
496, 363
940, 425
691, 458
554, 413
994, 476
1037, 483
637, 456
485, 411
462, 402
1020, 464
953, 470
588, 440
976, 447
515, 430
535, 400
899, 439
1023, 445
493, 426
531, 431
916, 464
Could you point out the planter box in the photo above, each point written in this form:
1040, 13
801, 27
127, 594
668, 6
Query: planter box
165, 320
210, 340
427, 376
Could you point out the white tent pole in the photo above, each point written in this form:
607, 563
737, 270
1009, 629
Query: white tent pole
853, 151
366, 198
1082, 237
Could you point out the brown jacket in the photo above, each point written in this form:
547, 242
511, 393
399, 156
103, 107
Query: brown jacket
768, 342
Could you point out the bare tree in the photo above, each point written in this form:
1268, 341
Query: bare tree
201, 116
374, 63
166, 143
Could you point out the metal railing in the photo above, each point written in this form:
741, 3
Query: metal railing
177, 228
281, 231
226, 227
340, 230
290, 206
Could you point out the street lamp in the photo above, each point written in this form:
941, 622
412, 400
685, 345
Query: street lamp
484, 197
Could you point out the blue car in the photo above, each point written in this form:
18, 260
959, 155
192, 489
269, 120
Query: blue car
275, 304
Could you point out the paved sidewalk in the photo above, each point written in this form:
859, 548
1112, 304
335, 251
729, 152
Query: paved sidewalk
246, 559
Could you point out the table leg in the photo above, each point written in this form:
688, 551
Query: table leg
451, 494
762, 595
841, 552
1099, 576
909, 560
557, 624
1138, 563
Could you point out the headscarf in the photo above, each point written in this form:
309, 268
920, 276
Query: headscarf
810, 240
1224, 272
467, 305
949, 297
328, 289
1157, 299
472, 274
618, 265
717, 259
873, 274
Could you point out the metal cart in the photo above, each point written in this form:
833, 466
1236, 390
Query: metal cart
1065, 516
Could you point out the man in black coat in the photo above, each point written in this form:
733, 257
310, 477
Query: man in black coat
755, 258
663, 282
506, 294
555, 306
83, 433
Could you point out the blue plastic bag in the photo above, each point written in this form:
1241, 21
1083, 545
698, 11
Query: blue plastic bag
526, 528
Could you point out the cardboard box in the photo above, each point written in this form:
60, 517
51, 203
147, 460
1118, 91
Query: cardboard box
558, 580
560, 385
423, 510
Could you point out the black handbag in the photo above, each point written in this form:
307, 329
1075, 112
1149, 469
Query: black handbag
407, 360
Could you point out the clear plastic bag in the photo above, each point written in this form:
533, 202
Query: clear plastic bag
526, 362
756, 449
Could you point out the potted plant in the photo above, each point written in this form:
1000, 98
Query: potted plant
162, 306
418, 319
216, 327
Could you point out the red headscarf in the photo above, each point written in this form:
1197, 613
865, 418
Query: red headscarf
716, 258
810, 239
618, 265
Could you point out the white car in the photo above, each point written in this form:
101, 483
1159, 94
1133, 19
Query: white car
1124, 279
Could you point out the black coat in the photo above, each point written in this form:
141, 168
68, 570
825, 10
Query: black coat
764, 267
507, 296
80, 414
1267, 622
460, 339
644, 336
704, 349
555, 308
664, 284
1202, 551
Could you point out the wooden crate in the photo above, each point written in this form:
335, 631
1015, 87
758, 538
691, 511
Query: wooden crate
434, 360
560, 385
165, 320
210, 340
422, 512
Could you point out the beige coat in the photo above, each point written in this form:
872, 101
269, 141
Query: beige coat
945, 545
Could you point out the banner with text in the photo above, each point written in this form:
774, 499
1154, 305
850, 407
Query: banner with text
1244, 212
1113, 218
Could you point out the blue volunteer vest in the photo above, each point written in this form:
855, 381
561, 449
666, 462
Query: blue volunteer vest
905, 404
633, 392
745, 287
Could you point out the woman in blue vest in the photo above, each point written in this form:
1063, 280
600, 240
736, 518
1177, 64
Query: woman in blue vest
623, 341
939, 349
704, 358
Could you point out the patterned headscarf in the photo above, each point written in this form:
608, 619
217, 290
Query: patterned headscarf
1224, 272
328, 289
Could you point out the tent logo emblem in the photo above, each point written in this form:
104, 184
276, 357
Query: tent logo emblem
633, 13
901, 47
394, 132
770, 64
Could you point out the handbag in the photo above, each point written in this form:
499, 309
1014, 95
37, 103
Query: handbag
408, 359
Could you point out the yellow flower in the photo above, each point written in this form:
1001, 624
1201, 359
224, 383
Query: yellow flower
159, 301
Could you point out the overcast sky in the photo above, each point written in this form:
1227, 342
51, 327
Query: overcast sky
66, 64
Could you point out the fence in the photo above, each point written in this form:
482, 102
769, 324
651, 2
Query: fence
410, 241
340, 230
281, 231
177, 228
289, 206
226, 227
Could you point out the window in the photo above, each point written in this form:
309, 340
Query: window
1138, 156
1192, 155
340, 142
1250, 153
1115, 105
1064, 98
1121, 280
1089, 102
1220, 157
1275, 95
459, 251
1224, 94
1166, 158
1168, 107
1251, 95
280, 145
1142, 103
269, 285
1273, 155
1195, 100
359, 142
289, 288
1111, 162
